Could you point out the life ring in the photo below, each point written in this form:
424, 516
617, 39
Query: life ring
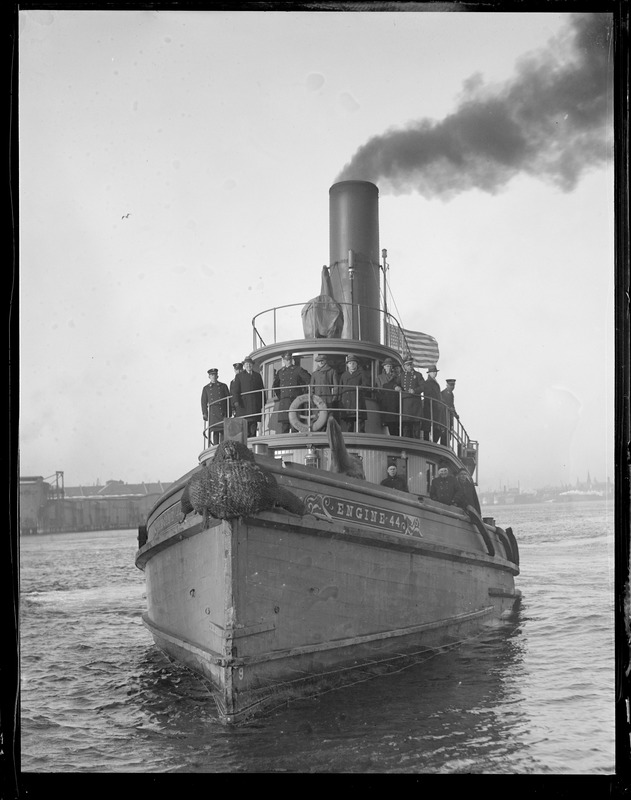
299, 411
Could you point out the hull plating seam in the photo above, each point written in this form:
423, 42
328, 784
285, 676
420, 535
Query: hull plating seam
358, 640
203, 652
337, 644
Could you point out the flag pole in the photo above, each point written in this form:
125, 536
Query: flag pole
384, 255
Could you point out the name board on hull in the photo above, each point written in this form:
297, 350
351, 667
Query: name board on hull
375, 516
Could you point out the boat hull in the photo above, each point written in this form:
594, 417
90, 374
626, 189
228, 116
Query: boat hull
277, 606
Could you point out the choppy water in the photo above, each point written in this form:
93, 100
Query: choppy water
536, 696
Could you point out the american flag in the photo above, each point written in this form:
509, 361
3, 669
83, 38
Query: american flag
424, 348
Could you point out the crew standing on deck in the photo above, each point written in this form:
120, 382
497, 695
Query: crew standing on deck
325, 382
354, 386
412, 384
433, 416
447, 395
237, 367
290, 382
215, 401
387, 397
247, 395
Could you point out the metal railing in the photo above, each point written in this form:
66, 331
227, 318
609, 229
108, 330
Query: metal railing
275, 316
437, 422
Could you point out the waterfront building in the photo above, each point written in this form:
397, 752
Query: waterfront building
52, 507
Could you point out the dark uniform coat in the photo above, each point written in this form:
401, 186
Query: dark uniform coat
289, 383
246, 404
413, 385
446, 490
326, 384
467, 490
389, 399
215, 398
348, 397
232, 408
397, 482
432, 406
447, 396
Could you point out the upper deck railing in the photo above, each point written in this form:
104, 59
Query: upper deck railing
278, 324
308, 412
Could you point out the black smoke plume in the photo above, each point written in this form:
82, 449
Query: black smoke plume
551, 121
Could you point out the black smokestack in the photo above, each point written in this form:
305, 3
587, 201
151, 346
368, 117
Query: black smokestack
550, 121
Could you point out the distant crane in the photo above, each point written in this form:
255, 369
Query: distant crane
58, 492
125, 215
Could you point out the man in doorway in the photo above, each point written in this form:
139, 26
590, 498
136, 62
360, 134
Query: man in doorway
445, 488
394, 480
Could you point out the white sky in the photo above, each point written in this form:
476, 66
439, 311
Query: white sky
220, 134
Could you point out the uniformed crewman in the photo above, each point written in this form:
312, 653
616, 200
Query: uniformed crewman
388, 400
325, 382
247, 395
412, 384
290, 382
447, 396
215, 406
433, 409
446, 489
237, 367
355, 387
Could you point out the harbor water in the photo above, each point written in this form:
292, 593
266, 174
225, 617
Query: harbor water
535, 696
